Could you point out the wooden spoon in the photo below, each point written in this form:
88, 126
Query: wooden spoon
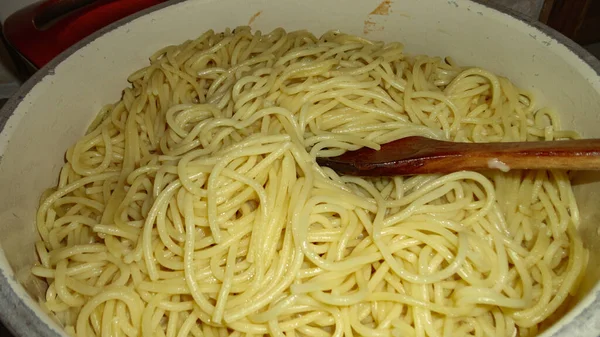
420, 155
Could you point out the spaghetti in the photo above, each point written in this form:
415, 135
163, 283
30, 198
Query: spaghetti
194, 206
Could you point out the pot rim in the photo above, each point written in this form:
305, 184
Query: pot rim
29, 323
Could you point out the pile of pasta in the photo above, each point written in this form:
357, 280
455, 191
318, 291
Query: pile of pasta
194, 206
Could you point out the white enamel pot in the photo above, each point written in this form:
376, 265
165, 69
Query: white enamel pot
54, 107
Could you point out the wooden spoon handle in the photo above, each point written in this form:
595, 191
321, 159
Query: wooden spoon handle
419, 155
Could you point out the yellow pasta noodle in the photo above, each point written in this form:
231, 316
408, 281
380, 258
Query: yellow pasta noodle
194, 206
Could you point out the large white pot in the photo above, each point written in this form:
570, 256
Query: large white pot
54, 108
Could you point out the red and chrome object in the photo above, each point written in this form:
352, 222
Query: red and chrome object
38, 33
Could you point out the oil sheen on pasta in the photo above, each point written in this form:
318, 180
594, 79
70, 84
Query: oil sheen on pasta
194, 206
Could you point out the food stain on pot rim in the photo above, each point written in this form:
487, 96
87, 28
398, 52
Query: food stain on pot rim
383, 8
254, 17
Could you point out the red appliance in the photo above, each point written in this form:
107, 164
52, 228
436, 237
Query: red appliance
38, 33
